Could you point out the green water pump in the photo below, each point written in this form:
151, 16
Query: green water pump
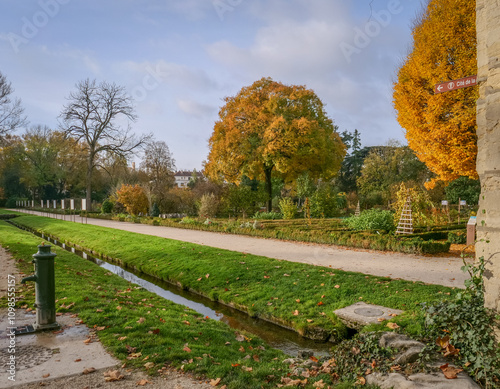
45, 289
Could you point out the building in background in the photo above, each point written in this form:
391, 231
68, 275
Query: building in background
183, 177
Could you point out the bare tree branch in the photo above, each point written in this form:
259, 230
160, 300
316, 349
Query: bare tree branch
95, 114
11, 112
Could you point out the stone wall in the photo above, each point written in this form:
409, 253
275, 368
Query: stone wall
488, 159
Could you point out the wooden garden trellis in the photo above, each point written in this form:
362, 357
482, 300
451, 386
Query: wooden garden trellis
405, 225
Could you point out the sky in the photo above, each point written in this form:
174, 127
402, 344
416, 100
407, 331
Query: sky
178, 59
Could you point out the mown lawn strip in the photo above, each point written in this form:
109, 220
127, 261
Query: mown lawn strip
297, 295
144, 330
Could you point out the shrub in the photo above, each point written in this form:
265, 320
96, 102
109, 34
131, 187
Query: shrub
457, 237
324, 202
107, 206
155, 211
267, 215
209, 205
133, 198
465, 324
288, 208
373, 219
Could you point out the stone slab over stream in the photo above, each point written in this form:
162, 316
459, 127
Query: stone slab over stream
361, 314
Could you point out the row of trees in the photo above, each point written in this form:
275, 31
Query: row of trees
269, 133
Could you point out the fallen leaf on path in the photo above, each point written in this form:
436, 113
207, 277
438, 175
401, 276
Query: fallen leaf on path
87, 341
143, 382
78, 360
112, 375
450, 372
88, 370
46, 375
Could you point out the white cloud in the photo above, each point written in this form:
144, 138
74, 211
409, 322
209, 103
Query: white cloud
195, 109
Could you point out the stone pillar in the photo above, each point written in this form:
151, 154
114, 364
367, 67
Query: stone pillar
488, 158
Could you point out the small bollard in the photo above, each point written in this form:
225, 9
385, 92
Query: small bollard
471, 231
45, 289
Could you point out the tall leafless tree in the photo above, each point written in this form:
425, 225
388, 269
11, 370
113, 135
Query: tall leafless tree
159, 166
11, 111
94, 115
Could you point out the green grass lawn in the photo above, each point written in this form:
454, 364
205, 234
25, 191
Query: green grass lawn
149, 332
296, 295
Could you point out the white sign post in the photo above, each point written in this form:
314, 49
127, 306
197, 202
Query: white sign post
63, 211
84, 208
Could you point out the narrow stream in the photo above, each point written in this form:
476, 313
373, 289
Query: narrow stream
277, 337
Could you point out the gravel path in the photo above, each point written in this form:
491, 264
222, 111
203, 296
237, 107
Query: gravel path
432, 270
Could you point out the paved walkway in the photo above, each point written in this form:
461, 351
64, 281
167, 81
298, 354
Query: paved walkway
432, 270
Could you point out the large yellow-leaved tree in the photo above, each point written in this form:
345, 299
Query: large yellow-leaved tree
271, 129
441, 128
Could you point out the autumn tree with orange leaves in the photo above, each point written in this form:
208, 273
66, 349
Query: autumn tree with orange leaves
133, 198
273, 130
441, 128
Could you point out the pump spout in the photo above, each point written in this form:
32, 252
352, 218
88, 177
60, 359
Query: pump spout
29, 278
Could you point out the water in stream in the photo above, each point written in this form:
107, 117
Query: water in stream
278, 337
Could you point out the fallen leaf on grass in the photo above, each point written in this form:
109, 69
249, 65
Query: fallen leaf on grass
187, 349
240, 338
256, 358
101, 328
207, 275
296, 313
122, 338
361, 381
309, 320
247, 368
112, 375
337, 286
119, 308
392, 326
134, 356
450, 372
98, 310
321, 303
289, 382
149, 365
298, 300
215, 382
319, 384
141, 320
267, 277
88, 370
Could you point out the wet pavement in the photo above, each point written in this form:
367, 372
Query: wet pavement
47, 355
